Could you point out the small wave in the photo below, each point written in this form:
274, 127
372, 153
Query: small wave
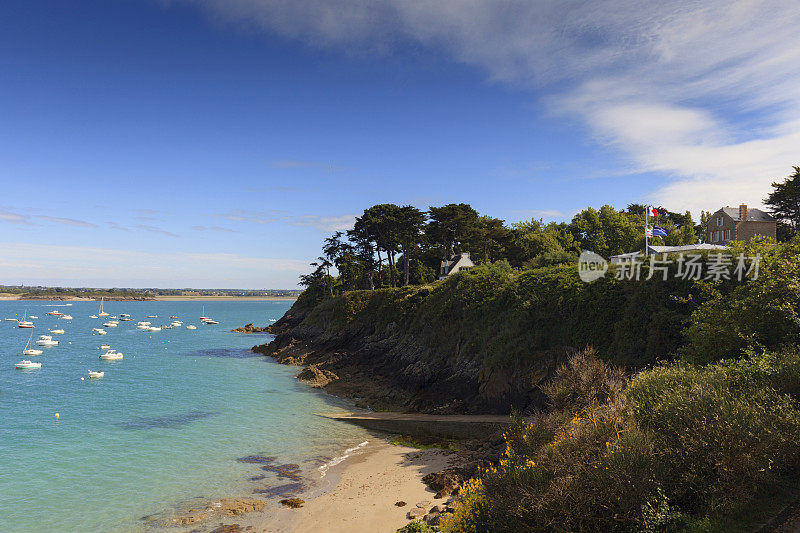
336, 460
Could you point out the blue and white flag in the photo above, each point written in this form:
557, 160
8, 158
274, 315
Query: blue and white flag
659, 231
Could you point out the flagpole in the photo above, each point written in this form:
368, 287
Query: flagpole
646, 250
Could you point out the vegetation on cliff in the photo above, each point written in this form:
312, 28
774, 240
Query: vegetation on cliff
680, 447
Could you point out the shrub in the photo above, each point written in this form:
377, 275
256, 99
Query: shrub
680, 444
719, 430
761, 312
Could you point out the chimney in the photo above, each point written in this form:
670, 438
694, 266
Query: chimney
743, 212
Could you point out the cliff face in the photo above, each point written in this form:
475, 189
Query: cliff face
481, 341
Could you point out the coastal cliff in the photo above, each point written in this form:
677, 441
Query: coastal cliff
480, 341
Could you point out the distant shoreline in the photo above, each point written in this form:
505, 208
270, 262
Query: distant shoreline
253, 298
16, 297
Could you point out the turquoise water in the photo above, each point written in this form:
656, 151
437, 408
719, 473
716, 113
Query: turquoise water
164, 425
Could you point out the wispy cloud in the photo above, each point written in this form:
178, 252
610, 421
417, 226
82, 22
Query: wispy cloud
154, 229
15, 218
215, 229
703, 92
252, 217
68, 221
326, 223
67, 265
114, 225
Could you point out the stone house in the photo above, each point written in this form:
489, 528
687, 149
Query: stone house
739, 224
456, 264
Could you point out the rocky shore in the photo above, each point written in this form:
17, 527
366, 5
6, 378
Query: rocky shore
250, 328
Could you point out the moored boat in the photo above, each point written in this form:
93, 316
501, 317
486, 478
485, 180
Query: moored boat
27, 365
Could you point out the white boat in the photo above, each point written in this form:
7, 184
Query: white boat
111, 355
27, 365
191, 326
28, 350
44, 337
66, 317
176, 323
33, 316
102, 332
102, 313
152, 316
143, 323
92, 316
125, 315
105, 346
25, 323
142, 326
47, 342
153, 328
110, 325
125, 318
55, 313
95, 375
209, 321
203, 316
57, 331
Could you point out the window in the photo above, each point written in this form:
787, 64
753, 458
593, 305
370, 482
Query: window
727, 234
715, 236
719, 221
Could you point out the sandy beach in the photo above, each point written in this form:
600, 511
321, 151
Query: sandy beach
360, 494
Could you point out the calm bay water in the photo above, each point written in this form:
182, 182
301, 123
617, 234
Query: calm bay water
164, 425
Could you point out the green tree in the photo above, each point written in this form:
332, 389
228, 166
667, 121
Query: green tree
784, 203
450, 226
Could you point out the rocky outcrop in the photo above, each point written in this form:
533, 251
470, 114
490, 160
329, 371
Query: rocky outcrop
224, 507
316, 377
387, 357
250, 328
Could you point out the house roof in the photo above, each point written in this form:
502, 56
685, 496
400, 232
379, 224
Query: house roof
753, 214
686, 248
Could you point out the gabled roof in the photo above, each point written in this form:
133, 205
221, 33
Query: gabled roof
753, 214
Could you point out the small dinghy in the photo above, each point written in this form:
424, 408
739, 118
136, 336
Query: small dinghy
27, 365
102, 332
57, 331
111, 355
110, 325
153, 328
209, 321
191, 326
93, 316
105, 346
95, 375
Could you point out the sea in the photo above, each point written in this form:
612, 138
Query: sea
168, 427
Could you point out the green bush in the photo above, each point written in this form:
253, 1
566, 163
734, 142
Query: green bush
681, 445
762, 312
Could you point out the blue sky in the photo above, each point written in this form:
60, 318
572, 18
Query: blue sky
213, 143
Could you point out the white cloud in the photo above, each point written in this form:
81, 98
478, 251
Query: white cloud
34, 264
14, 218
68, 221
704, 91
326, 223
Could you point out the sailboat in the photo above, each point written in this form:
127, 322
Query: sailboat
25, 364
25, 323
30, 351
102, 313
